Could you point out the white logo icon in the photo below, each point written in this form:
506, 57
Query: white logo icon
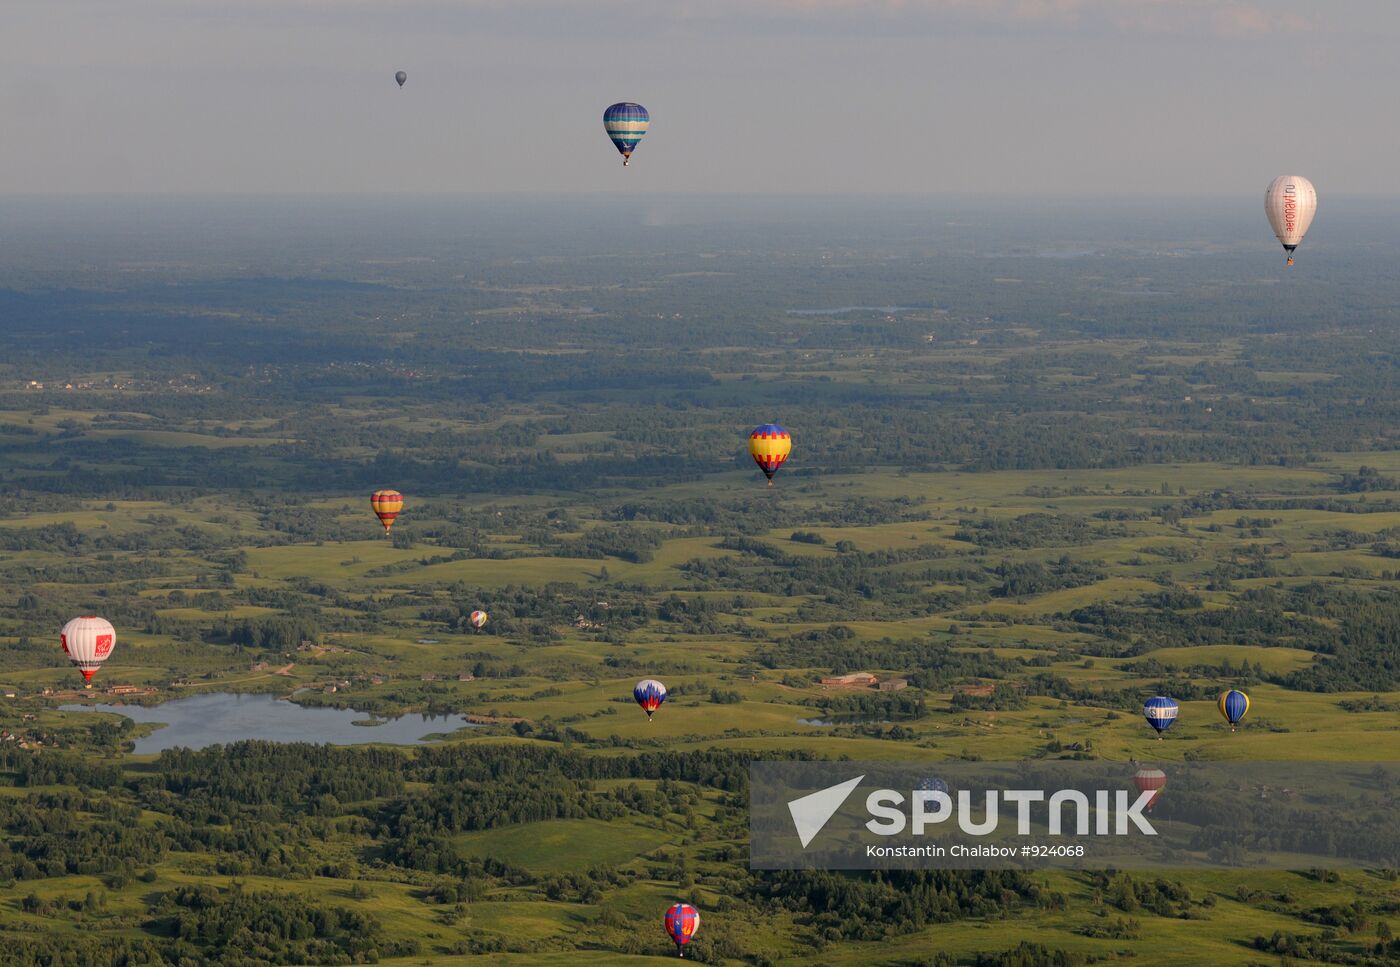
811, 812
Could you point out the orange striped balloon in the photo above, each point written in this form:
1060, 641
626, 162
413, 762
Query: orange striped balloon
386, 505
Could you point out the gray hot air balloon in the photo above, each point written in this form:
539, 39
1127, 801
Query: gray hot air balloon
400, 77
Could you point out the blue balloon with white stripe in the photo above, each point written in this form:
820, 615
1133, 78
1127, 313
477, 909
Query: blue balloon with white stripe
626, 123
1160, 713
932, 784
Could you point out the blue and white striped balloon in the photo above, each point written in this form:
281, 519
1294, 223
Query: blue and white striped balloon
1160, 713
625, 123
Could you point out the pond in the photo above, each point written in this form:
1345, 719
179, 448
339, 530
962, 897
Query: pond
223, 717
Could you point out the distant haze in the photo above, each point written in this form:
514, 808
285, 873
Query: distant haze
1040, 97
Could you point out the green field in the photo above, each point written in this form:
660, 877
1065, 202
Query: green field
561, 676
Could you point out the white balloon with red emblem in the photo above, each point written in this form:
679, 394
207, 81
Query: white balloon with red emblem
88, 642
1290, 202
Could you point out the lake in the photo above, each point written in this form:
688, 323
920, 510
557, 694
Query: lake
223, 717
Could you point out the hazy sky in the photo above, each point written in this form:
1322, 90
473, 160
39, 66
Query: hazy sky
1027, 96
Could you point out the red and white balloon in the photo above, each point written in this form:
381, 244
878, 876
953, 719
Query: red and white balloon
88, 642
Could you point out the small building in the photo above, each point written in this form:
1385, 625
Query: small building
466, 677
853, 680
894, 684
429, 677
127, 690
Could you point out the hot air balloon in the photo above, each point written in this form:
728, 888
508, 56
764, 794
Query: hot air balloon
1290, 202
625, 123
769, 445
932, 784
1160, 713
401, 77
88, 642
682, 921
386, 505
478, 620
649, 695
1150, 780
1233, 705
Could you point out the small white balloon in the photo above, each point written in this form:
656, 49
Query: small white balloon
1290, 202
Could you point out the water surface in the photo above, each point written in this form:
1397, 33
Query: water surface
221, 718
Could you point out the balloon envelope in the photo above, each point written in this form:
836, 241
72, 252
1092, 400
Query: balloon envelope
478, 620
386, 505
682, 920
649, 694
1160, 712
1233, 705
400, 77
1290, 202
88, 641
626, 123
932, 784
769, 445
1150, 780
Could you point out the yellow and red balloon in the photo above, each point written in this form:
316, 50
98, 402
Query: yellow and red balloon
386, 504
769, 445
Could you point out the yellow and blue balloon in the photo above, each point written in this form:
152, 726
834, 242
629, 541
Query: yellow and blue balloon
1233, 705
